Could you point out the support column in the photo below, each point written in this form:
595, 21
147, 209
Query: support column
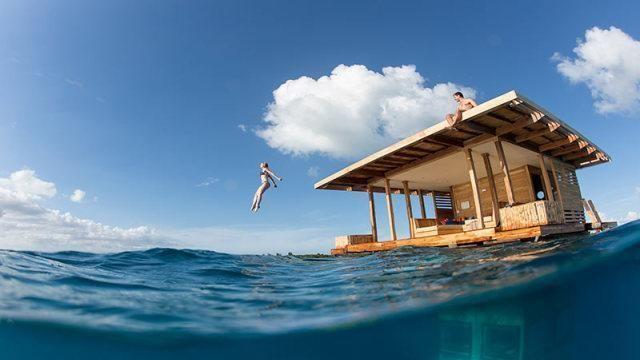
407, 200
423, 209
474, 185
545, 177
492, 189
505, 171
372, 214
554, 172
392, 221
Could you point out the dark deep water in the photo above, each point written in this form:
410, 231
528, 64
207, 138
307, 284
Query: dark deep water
565, 298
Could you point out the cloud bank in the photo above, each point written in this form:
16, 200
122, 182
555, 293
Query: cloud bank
354, 110
27, 225
608, 62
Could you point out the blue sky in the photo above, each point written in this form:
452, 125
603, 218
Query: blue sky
138, 103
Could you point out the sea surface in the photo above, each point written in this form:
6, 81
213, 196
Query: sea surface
572, 297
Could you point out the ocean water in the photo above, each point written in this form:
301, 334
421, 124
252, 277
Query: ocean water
573, 297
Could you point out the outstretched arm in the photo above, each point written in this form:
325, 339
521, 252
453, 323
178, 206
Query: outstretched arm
272, 174
273, 181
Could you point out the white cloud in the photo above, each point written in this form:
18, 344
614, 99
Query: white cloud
26, 225
208, 182
631, 216
77, 196
354, 110
74, 82
24, 184
608, 62
242, 127
313, 171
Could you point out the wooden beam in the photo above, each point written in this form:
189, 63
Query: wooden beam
580, 144
369, 173
545, 177
500, 118
522, 123
405, 156
392, 220
558, 143
479, 128
551, 127
578, 154
445, 140
372, 214
407, 200
474, 185
492, 189
423, 209
586, 158
505, 171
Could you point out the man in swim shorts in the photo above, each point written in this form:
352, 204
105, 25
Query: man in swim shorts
464, 104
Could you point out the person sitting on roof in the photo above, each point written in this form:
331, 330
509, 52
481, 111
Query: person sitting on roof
464, 104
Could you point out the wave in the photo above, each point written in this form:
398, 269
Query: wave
197, 295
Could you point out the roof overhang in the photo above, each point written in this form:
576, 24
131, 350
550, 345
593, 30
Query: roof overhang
528, 128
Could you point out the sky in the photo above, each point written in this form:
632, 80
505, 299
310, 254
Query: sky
128, 125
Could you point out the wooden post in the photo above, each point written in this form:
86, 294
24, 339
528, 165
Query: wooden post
492, 189
474, 185
423, 209
392, 221
435, 206
505, 171
372, 214
595, 212
557, 182
545, 177
407, 200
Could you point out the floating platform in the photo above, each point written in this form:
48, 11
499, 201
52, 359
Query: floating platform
468, 238
505, 172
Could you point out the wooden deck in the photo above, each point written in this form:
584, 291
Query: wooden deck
476, 237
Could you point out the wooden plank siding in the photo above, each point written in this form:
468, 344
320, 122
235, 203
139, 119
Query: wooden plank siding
569, 190
520, 182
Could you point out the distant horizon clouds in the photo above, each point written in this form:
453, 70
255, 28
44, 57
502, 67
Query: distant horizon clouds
25, 224
354, 110
607, 61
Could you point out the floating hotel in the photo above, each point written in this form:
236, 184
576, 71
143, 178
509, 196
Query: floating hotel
505, 172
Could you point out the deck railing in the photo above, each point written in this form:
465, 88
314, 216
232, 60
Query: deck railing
537, 213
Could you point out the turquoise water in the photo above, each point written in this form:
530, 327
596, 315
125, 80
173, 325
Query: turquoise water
564, 298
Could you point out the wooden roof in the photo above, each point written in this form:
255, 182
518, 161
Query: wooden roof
511, 117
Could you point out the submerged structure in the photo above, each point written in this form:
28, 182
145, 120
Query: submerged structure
505, 172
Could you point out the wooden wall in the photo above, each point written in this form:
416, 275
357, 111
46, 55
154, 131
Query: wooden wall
569, 195
522, 192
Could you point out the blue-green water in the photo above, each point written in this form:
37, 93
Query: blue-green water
564, 298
